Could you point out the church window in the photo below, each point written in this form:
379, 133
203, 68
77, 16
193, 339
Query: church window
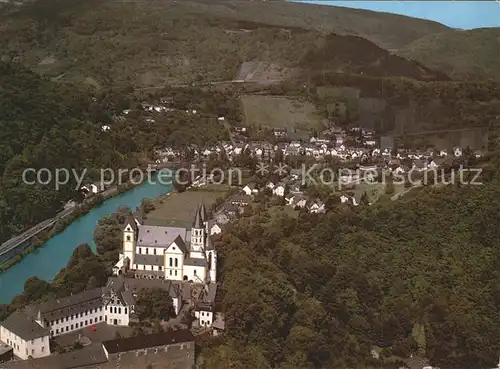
119, 310
128, 238
176, 262
170, 261
125, 310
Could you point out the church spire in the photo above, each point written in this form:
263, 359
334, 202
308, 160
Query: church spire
203, 212
198, 222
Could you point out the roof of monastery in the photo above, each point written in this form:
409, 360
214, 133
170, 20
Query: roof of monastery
154, 236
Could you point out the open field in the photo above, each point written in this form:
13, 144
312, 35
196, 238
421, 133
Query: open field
178, 209
475, 138
280, 112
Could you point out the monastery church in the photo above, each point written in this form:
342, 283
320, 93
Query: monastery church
171, 253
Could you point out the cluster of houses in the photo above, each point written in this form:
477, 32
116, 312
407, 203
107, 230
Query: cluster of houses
365, 149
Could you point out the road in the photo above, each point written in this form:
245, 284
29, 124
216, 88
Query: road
20, 239
212, 83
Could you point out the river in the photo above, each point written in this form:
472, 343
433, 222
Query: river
49, 259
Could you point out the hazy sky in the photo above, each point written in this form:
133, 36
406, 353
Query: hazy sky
456, 14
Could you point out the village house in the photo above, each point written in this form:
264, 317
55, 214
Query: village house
296, 201
279, 189
250, 189
215, 228
205, 306
317, 207
279, 132
240, 200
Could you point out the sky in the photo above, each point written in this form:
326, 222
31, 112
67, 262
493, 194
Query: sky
455, 14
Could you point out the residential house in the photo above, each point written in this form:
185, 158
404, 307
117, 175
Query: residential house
317, 207
215, 228
279, 190
240, 200
299, 201
279, 132
205, 307
250, 189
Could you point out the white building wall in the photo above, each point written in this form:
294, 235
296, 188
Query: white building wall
148, 267
117, 314
174, 262
205, 318
212, 258
173, 274
177, 303
279, 191
36, 348
215, 229
128, 244
195, 273
147, 250
198, 254
77, 321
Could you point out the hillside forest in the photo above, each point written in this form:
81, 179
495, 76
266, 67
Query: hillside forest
358, 287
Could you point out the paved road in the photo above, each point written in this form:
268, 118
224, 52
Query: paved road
20, 239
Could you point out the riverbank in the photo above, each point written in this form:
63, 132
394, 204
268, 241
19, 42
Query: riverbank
47, 261
61, 224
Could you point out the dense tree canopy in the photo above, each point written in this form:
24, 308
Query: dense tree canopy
418, 275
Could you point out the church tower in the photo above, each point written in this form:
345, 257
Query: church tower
129, 236
198, 234
211, 261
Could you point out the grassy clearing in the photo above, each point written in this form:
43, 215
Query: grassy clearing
280, 112
178, 209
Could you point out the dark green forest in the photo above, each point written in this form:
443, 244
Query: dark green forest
415, 276
45, 124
